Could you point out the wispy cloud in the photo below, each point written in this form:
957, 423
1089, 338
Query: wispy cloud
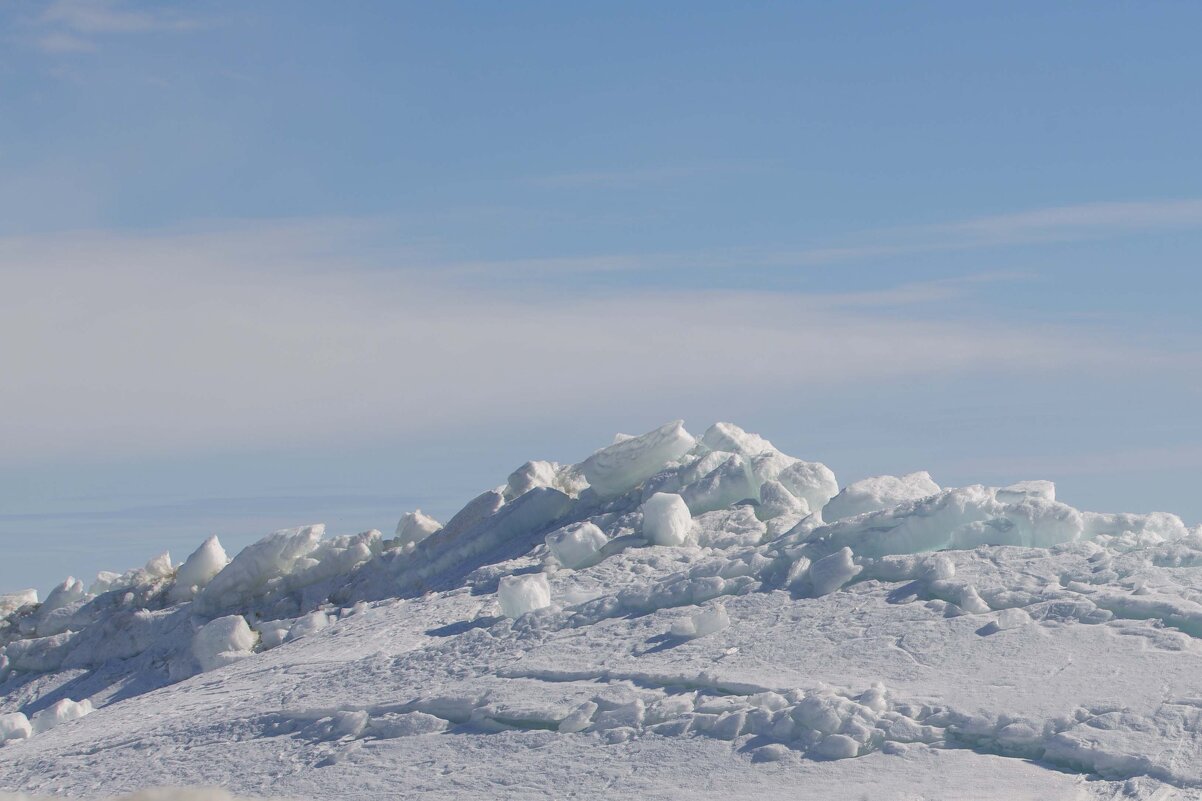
616, 179
1085, 222
63, 42
1087, 219
1082, 222
78, 26
637, 177
136, 344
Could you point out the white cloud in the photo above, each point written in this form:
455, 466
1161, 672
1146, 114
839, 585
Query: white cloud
1058, 223
1079, 220
132, 345
76, 26
62, 42
1082, 222
109, 16
635, 177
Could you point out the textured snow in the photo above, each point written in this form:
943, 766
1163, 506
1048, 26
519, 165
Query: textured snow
891, 640
162, 794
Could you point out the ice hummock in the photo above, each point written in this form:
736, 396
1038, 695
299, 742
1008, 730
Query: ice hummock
520, 595
666, 519
668, 586
622, 466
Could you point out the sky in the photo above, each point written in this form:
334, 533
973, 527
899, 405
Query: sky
270, 264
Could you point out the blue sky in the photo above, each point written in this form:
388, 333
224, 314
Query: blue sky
268, 264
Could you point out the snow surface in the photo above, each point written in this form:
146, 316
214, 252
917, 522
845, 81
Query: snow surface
673, 617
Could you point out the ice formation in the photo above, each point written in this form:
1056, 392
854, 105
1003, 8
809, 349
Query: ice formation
415, 527
877, 493
198, 570
578, 545
666, 519
222, 641
14, 726
520, 595
60, 712
676, 598
703, 622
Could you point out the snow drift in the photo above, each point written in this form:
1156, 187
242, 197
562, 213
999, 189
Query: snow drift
669, 591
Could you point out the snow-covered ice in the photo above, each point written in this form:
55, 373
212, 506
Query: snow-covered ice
705, 621
58, 713
625, 464
672, 617
222, 641
198, 570
877, 493
520, 595
666, 519
577, 545
14, 726
415, 526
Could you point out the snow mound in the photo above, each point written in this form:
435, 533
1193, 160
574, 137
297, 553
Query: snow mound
877, 493
14, 726
714, 599
223, 641
58, 714
703, 622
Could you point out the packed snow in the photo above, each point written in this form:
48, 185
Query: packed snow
674, 616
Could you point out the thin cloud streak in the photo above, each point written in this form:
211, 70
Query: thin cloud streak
156, 344
1066, 220
1084, 222
106, 16
77, 26
634, 177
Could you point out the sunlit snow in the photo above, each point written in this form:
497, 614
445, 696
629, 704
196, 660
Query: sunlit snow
674, 616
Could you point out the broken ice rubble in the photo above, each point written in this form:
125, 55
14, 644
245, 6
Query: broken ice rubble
665, 525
